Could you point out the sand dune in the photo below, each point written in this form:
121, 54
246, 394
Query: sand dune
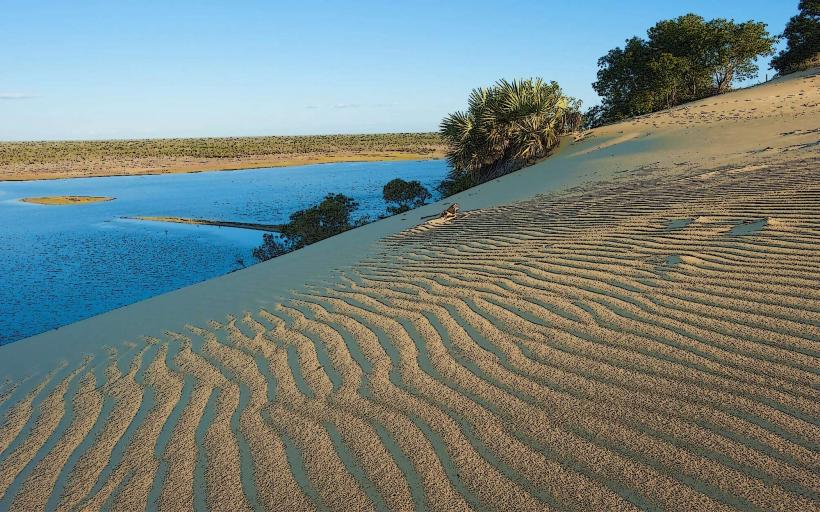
633, 324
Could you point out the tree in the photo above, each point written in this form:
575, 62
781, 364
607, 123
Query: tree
625, 81
682, 59
328, 218
505, 127
686, 38
404, 195
732, 50
802, 36
272, 246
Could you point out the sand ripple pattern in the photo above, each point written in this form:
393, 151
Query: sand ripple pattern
650, 343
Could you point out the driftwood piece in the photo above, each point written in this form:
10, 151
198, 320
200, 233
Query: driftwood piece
448, 214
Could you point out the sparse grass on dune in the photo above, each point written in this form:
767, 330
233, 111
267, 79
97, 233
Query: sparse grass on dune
65, 159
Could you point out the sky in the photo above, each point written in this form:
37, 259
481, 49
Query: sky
180, 68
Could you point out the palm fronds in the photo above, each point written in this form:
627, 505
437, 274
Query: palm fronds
505, 127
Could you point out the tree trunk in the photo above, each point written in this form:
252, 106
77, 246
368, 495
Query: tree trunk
725, 82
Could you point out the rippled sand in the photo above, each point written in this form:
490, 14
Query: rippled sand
646, 340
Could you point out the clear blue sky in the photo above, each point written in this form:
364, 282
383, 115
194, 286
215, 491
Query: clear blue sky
133, 69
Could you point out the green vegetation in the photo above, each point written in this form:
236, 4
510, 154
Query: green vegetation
227, 147
683, 59
402, 196
802, 36
506, 127
330, 217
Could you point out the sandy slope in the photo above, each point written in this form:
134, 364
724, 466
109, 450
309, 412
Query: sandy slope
632, 324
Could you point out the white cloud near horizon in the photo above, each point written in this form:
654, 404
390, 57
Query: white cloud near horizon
16, 96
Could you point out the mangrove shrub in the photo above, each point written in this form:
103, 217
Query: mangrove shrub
330, 217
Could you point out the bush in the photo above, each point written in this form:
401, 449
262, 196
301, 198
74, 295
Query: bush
328, 218
506, 127
401, 195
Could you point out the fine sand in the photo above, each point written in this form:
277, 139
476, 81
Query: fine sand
632, 324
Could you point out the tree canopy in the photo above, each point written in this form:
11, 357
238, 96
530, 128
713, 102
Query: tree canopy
401, 195
505, 127
681, 60
802, 36
330, 217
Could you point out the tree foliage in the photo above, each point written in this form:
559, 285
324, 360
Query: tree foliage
330, 217
402, 196
681, 60
505, 127
802, 36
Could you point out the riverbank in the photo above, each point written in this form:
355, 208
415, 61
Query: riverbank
23, 161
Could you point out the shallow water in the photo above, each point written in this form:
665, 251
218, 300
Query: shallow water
60, 264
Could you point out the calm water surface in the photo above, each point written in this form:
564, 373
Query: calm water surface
60, 264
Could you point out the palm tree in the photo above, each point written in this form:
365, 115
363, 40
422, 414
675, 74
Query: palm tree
505, 127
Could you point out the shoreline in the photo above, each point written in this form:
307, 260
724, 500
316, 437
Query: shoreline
217, 166
34, 161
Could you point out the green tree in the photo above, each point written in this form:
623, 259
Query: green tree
625, 81
330, 217
686, 38
504, 128
402, 195
732, 50
682, 59
802, 36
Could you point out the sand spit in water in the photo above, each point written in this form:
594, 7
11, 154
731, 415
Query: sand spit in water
66, 200
648, 341
210, 222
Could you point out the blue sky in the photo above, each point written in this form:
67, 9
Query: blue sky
134, 69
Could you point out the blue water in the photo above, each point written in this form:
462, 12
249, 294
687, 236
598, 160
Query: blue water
60, 264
